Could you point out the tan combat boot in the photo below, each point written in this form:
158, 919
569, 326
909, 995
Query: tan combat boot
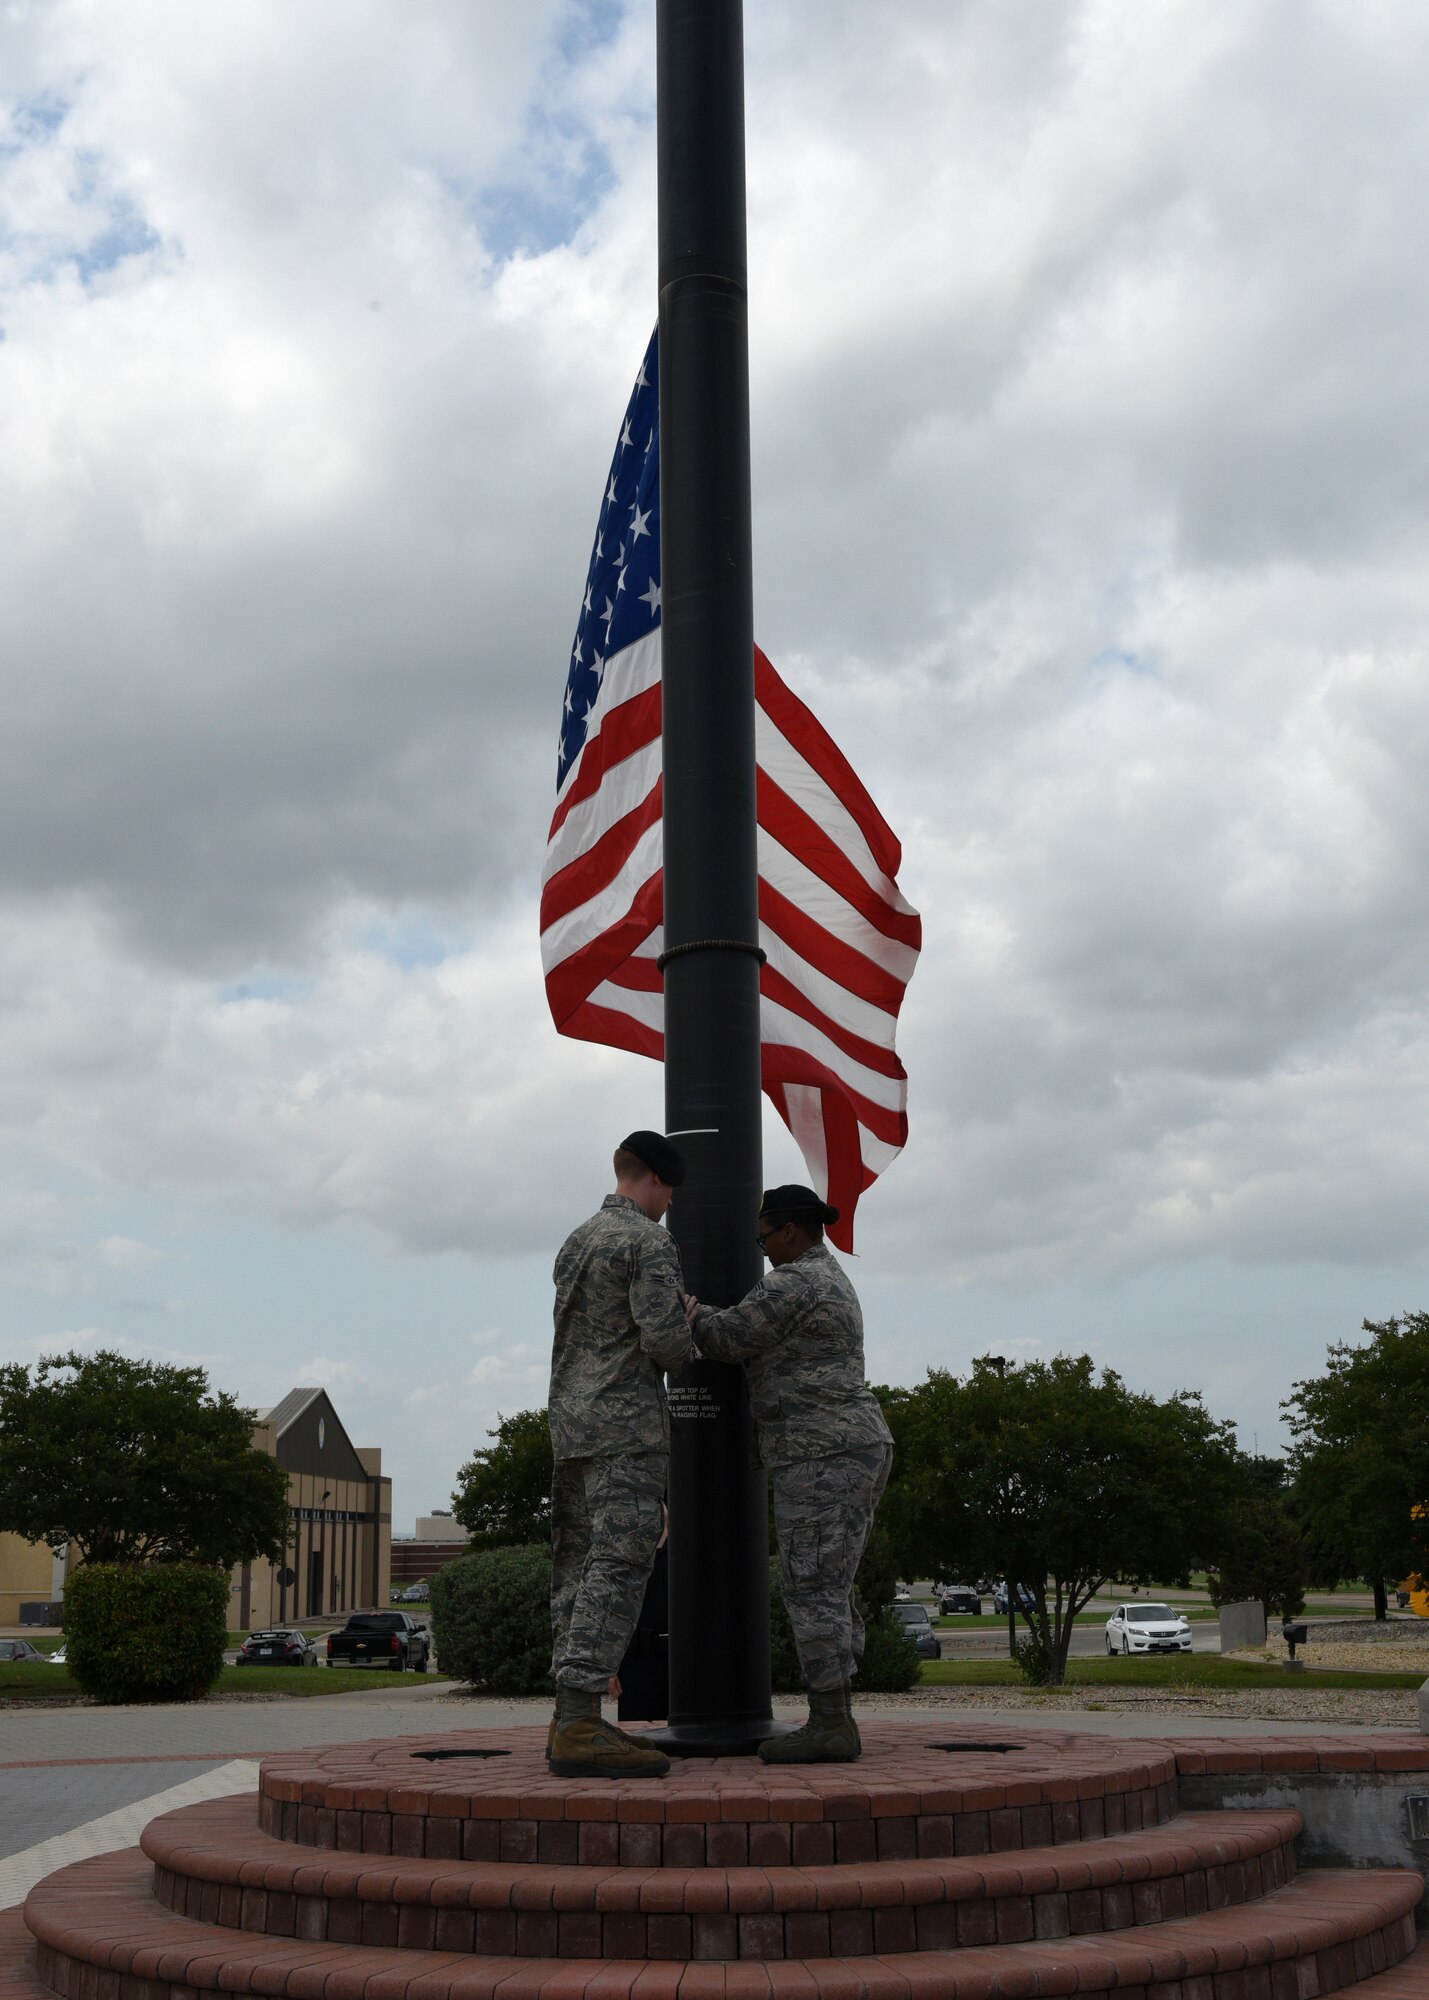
852, 1718
830, 1736
585, 1745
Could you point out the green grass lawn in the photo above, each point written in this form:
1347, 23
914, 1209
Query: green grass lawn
32, 1679
1184, 1674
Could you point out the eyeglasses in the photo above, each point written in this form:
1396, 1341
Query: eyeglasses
762, 1236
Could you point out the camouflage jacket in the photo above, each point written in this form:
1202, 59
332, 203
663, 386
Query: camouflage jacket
620, 1323
799, 1334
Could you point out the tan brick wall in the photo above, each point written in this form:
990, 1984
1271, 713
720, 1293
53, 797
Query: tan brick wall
26, 1570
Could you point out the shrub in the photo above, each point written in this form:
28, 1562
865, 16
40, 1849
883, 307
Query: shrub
1033, 1660
890, 1662
491, 1620
146, 1631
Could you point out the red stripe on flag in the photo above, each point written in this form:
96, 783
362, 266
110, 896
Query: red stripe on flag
793, 828
638, 975
793, 1065
801, 727
782, 991
594, 1023
625, 730
569, 983
846, 1175
597, 867
830, 955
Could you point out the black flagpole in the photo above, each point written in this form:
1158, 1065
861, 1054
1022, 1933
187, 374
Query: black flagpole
719, 1606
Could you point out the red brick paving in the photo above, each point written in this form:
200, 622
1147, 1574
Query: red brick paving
97, 1926
1061, 1866
1208, 1860
383, 1798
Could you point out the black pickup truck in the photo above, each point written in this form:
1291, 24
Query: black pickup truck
381, 1639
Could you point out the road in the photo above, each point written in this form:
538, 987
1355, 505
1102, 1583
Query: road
989, 1642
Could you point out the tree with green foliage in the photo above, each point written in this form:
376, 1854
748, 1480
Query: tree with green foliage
1058, 1479
1360, 1458
503, 1495
1261, 1555
1262, 1474
135, 1462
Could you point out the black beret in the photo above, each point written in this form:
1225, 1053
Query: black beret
658, 1155
799, 1204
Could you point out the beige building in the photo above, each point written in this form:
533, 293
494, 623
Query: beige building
438, 1540
339, 1558
30, 1576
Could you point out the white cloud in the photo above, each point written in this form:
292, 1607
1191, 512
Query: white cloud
335, 1373
1086, 354
123, 1253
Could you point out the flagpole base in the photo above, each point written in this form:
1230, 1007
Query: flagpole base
716, 1737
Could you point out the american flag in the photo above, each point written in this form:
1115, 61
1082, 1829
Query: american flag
840, 940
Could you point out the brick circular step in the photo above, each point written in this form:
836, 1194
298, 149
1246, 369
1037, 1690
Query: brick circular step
99, 1935
212, 1864
921, 1789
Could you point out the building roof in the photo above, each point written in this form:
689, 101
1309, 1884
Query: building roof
289, 1410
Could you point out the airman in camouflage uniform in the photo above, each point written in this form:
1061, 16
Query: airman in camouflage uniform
799, 1334
619, 1324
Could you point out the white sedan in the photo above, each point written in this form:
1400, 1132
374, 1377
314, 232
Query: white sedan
1147, 1628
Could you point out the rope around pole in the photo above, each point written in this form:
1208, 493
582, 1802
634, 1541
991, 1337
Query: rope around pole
710, 944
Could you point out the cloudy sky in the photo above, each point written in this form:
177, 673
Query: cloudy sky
1089, 377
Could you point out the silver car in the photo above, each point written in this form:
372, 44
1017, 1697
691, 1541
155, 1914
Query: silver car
919, 1626
21, 1652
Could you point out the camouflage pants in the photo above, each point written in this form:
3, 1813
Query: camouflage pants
823, 1509
605, 1526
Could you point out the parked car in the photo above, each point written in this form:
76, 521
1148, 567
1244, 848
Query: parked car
919, 1626
959, 1597
381, 1639
1023, 1598
1147, 1628
277, 1646
15, 1650
902, 1594
59, 1657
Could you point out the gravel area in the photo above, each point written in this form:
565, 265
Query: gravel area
1358, 1645
1374, 1709
1392, 1632
1346, 1707
1350, 1655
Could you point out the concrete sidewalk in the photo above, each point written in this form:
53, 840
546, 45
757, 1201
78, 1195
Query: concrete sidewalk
215, 1732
